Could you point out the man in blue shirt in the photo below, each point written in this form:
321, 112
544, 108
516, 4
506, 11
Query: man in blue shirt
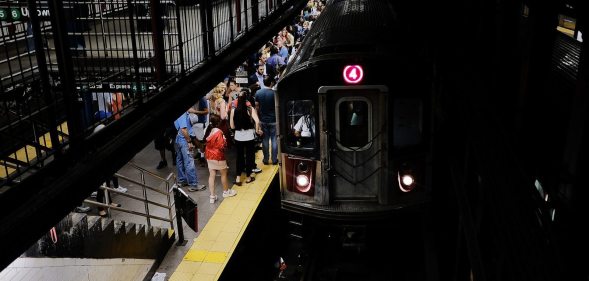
266, 110
184, 159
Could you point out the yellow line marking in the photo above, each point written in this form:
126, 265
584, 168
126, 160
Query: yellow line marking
218, 239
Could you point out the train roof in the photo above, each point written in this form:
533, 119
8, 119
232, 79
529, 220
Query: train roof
366, 27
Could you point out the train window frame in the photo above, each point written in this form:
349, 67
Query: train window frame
338, 123
290, 137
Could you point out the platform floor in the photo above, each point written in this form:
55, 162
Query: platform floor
148, 158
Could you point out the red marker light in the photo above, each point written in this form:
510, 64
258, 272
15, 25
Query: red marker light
353, 74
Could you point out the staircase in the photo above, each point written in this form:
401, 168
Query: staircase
82, 236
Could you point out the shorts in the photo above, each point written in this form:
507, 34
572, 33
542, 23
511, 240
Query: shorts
217, 164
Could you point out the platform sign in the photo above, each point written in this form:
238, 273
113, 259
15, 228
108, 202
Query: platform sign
241, 77
353, 74
21, 13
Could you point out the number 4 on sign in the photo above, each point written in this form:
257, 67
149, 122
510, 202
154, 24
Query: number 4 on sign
353, 74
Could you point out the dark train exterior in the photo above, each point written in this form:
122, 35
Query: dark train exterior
355, 116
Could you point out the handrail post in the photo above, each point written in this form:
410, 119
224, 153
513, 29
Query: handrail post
170, 215
179, 213
145, 198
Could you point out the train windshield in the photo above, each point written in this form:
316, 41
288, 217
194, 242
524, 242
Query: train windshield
301, 124
353, 120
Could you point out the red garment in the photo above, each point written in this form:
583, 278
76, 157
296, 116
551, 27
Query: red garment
215, 149
116, 105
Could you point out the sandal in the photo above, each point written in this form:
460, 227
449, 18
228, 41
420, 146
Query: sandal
237, 182
250, 179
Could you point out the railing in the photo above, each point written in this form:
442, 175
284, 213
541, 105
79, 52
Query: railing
168, 192
74, 59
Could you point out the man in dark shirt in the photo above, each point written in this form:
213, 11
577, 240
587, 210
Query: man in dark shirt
266, 110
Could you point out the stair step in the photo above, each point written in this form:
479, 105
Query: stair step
119, 227
131, 228
108, 225
94, 223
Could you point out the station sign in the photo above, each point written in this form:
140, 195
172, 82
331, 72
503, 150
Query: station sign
119, 86
21, 13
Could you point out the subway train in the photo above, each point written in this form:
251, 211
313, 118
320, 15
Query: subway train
355, 119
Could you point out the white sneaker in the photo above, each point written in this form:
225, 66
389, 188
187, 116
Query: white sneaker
121, 189
94, 194
212, 199
229, 193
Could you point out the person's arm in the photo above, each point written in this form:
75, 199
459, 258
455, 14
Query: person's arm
198, 112
256, 121
231, 123
223, 110
298, 127
257, 103
187, 137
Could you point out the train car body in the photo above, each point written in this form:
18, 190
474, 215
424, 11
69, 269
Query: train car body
354, 116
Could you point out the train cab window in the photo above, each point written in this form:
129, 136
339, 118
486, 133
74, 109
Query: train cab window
301, 124
407, 122
353, 123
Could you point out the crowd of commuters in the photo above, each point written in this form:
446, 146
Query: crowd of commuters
240, 117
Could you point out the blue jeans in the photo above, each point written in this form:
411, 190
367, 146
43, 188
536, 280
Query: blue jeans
269, 130
185, 162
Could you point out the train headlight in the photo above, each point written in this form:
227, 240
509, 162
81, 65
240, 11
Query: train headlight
406, 181
302, 181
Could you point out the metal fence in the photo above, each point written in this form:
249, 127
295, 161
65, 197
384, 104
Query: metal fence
72, 65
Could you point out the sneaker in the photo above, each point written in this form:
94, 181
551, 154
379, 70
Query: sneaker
162, 165
212, 199
198, 187
94, 194
115, 204
229, 193
257, 170
121, 189
82, 209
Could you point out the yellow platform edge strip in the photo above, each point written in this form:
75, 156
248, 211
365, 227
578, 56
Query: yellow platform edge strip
202, 259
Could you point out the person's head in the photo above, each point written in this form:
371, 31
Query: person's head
242, 98
232, 85
273, 50
214, 120
260, 69
218, 91
269, 81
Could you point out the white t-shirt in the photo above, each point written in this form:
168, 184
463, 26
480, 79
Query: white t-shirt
303, 127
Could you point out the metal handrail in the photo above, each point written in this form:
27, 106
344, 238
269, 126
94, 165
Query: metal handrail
168, 193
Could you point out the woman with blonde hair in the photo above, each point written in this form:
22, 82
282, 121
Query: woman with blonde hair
218, 106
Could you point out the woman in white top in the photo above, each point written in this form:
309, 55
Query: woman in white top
244, 120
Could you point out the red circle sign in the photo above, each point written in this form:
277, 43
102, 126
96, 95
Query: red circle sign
353, 74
